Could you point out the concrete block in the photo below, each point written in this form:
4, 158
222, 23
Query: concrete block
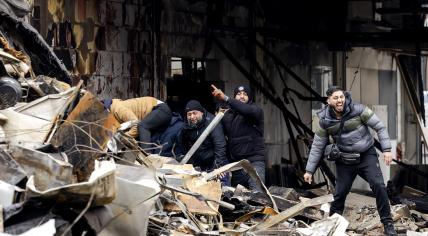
104, 63
131, 15
114, 13
126, 71
134, 86
94, 85
100, 38
112, 37
144, 42
101, 11
133, 40
122, 41
145, 88
116, 39
136, 64
117, 64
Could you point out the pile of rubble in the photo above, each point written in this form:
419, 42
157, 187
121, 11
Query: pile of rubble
66, 168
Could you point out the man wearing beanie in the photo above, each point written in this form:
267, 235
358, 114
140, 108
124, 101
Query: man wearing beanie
212, 152
244, 126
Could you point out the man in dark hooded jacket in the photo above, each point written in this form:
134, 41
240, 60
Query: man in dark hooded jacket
212, 152
168, 138
348, 123
244, 126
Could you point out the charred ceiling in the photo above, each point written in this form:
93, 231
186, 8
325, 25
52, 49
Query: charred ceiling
391, 24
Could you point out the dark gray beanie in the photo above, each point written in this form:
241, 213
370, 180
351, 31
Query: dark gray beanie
193, 105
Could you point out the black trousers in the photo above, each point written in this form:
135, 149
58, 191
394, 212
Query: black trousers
370, 171
159, 117
241, 177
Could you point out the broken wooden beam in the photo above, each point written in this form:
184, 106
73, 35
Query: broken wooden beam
292, 211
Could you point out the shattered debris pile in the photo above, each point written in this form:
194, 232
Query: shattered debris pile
60, 175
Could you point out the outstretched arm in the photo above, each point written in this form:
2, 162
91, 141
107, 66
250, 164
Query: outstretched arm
249, 110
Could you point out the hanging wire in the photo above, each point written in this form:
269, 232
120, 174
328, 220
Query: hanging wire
357, 70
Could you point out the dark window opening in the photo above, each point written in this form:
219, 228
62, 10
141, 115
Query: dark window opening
187, 82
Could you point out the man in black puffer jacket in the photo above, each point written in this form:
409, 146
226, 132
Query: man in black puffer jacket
353, 138
244, 127
212, 152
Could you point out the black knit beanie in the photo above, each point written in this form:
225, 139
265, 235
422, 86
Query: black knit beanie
193, 105
244, 88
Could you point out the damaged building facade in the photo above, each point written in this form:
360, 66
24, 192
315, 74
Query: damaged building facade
289, 53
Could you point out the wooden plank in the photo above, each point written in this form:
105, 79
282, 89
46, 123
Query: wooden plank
210, 190
292, 211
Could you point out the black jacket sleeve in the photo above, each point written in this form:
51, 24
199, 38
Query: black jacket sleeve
251, 111
219, 142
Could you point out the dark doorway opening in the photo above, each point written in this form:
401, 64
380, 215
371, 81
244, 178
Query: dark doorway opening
187, 82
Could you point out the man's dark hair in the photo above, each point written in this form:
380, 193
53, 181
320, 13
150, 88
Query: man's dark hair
333, 89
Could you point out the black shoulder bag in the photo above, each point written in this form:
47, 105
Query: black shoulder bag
333, 153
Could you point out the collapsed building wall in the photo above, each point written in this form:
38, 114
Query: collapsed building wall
109, 44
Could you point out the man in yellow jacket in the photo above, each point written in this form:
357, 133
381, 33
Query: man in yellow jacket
146, 113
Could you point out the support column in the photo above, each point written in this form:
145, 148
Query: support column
339, 69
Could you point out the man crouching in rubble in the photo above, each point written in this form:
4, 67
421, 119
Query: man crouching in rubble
347, 122
244, 125
147, 114
212, 152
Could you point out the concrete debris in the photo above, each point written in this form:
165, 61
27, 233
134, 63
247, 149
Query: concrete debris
58, 170
334, 225
68, 168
